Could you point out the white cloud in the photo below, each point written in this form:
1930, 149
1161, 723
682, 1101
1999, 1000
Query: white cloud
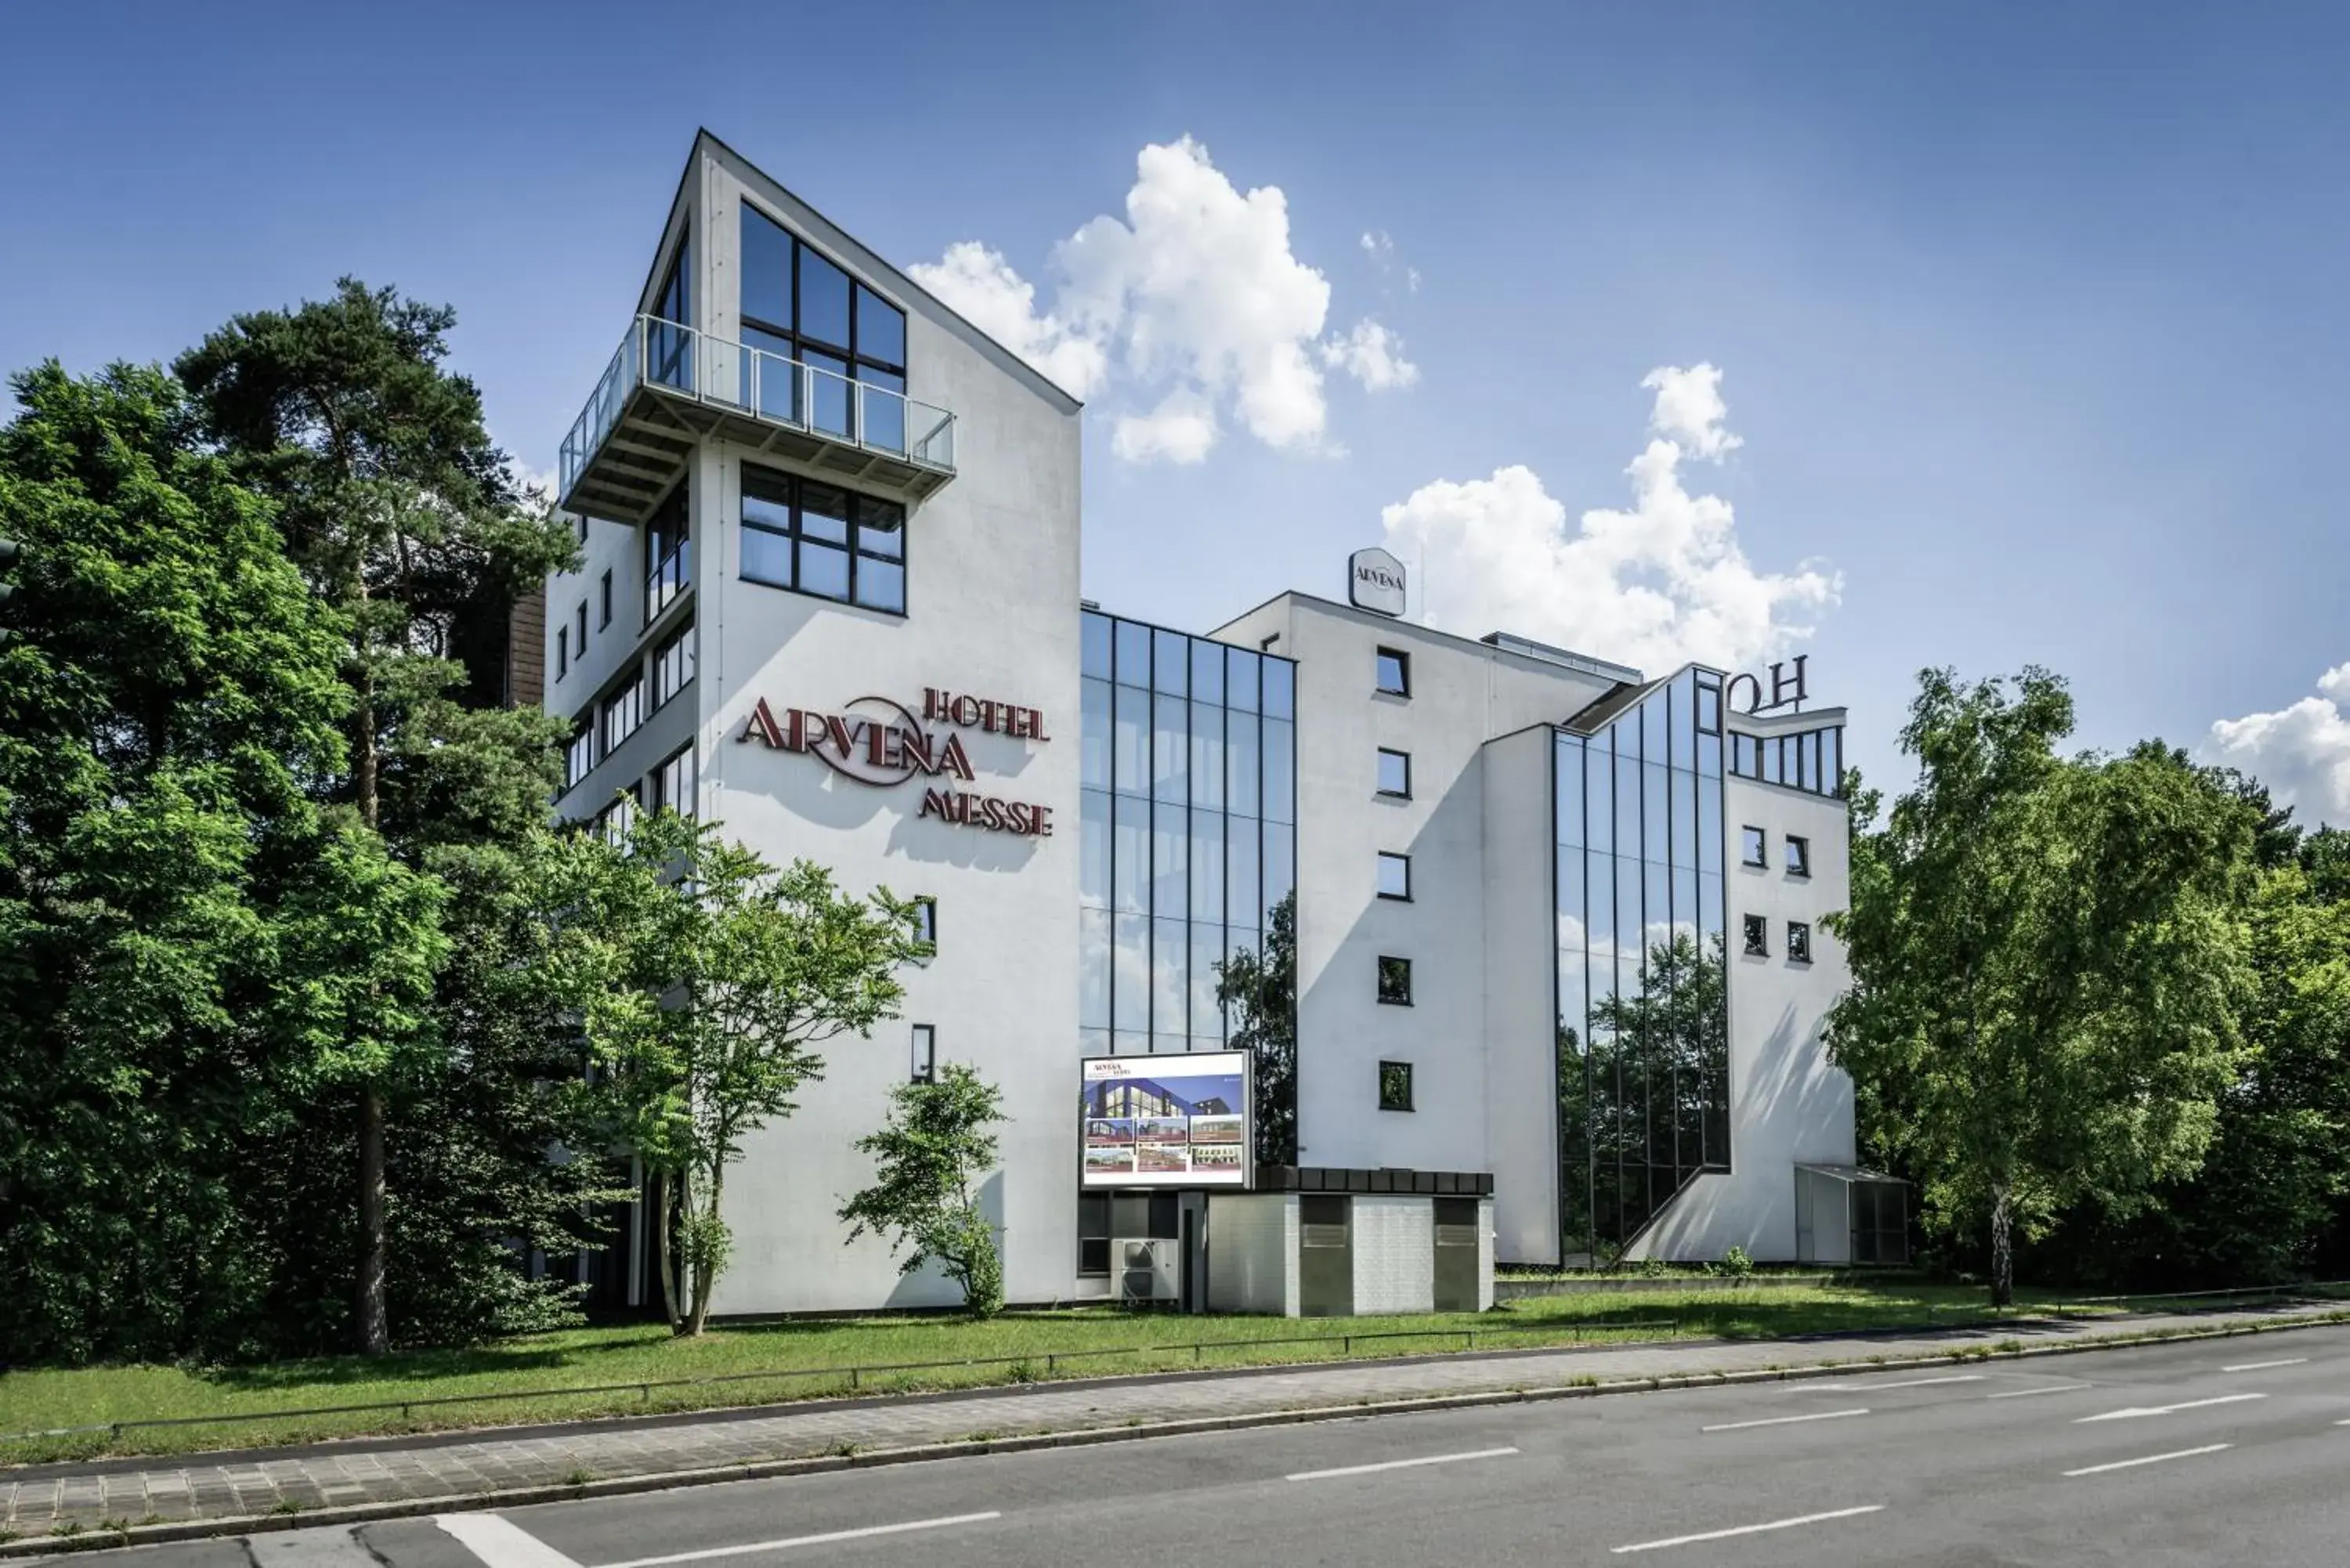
1379, 247
1660, 583
1373, 356
1194, 299
2302, 752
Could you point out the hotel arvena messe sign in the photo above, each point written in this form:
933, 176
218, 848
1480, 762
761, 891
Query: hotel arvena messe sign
878, 741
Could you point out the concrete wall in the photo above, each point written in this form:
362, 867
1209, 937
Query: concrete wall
1522, 996
1788, 1104
1395, 1253
1252, 1252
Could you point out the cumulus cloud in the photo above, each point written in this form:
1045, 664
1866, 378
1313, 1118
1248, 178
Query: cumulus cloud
2302, 752
1653, 585
1194, 300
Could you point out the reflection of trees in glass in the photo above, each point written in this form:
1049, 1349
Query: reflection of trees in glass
1646, 1106
1259, 994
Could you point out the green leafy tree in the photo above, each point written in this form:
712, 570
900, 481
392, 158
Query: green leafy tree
929, 1160
398, 508
2047, 958
1258, 991
708, 979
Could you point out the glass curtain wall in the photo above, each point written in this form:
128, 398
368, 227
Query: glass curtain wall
1643, 1024
1188, 829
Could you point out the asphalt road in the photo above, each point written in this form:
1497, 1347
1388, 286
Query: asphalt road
2203, 1453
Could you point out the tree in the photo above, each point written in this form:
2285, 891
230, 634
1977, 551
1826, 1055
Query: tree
708, 977
2047, 960
1259, 993
929, 1157
398, 507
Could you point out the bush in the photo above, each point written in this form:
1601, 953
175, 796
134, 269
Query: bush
1736, 1264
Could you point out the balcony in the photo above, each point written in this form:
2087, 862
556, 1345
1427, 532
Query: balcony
669, 387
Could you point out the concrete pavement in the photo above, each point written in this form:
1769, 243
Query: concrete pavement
363, 1480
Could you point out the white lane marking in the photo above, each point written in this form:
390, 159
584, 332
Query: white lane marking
1905, 1383
500, 1543
2149, 1460
1388, 1465
1782, 1420
2167, 1409
2051, 1389
1748, 1529
705, 1556
2264, 1366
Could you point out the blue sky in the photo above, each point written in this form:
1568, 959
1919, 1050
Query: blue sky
2026, 325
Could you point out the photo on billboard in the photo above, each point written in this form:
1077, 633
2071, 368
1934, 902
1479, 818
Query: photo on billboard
1175, 1120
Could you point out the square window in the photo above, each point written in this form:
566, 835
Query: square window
1758, 936
1394, 672
1751, 846
1395, 876
1394, 774
1798, 857
1799, 943
1394, 1086
926, 1053
1394, 982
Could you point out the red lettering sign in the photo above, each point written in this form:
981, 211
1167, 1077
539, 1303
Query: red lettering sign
877, 742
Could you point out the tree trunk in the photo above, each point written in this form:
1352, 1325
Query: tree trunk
662, 1263
2002, 1254
705, 1276
373, 1332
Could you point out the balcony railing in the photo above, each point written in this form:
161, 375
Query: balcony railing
771, 389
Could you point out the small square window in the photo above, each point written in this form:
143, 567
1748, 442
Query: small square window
1394, 672
1753, 846
1758, 936
926, 1053
1394, 982
1394, 1086
604, 602
1798, 857
1394, 774
1395, 876
1799, 943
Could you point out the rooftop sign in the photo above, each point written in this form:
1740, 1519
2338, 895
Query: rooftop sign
1375, 582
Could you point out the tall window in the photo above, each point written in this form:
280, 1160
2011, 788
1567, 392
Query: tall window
623, 711
562, 651
926, 1053
1799, 941
1394, 774
1757, 932
1395, 876
1798, 857
669, 336
823, 540
1394, 1086
604, 602
1393, 672
673, 664
674, 782
668, 553
579, 754
1394, 982
799, 308
1751, 847
612, 822
579, 630
926, 922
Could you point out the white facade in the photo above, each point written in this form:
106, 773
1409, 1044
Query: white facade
991, 551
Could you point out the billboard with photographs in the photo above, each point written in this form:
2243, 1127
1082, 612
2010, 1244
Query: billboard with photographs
1177, 1120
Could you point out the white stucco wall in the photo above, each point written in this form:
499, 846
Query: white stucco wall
1522, 994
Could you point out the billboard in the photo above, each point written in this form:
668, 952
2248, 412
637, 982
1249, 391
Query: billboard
1175, 1120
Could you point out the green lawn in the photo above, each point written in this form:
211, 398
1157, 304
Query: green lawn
35, 1400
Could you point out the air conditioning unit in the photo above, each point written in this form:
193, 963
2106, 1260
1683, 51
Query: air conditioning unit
1149, 1271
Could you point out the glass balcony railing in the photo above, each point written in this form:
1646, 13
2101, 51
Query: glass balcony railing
764, 385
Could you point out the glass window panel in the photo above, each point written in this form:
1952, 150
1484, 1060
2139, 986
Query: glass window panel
1741, 756
1094, 734
1835, 759
1130, 740
1093, 848
824, 513
1685, 923
1133, 643
1685, 840
1814, 761
1130, 853
880, 585
882, 410
880, 328
1394, 774
824, 570
1093, 969
1207, 754
1770, 774
1130, 975
1280, 770
880, 527
1710, 913
1170, 748
824, 300
1627, 803
767, 500
1279, 689
766, 269
1656, 909
1280, 865
1241, 678
1207, 952
770, 375
1679, 716
1599, 797
1573, 934
1394, 876
1572, 1023
766, 558
1207, 672
1708, 756
1172, 661
1093, 642
1170, 842
828, 392
1207, 866
1709, 708
1170, 983
1241, 794
1241, 882
1628, 947
1655, 813
1129, 1043
1567, 809
1708, 828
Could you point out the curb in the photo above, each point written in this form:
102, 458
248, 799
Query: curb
97, 1540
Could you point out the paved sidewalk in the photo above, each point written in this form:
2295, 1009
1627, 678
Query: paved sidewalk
388, 1476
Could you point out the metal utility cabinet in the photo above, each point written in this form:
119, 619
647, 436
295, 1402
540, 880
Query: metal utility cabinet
1318, 1243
